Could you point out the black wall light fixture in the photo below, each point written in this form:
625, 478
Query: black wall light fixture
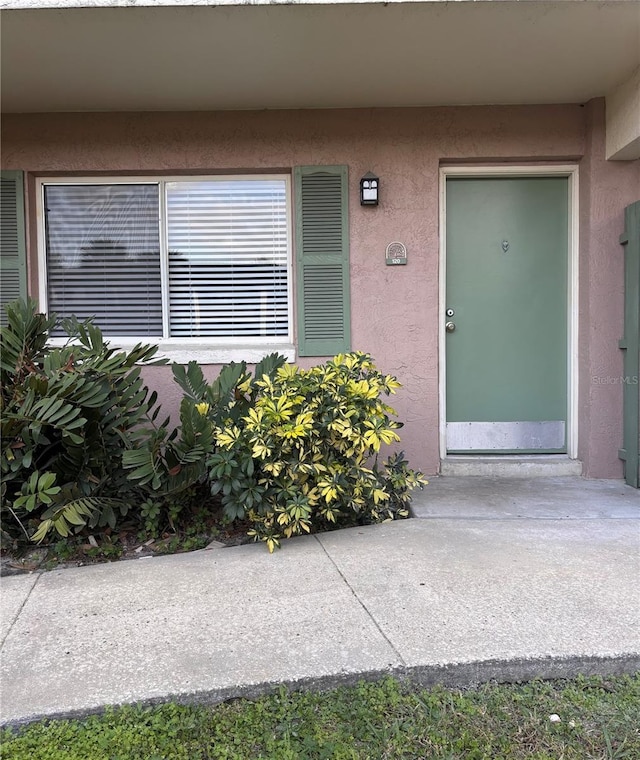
369, 187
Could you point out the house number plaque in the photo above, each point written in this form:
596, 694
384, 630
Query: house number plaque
396, 254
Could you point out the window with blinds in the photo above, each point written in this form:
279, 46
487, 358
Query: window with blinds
186, 258
228, 258
103, 256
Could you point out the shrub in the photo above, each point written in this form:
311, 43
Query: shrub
290, 450
170, 461
68, 415
304, 456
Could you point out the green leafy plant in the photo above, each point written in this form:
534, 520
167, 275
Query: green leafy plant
289, 450
186, 512
169, 461
105, 550
304, 457
68, 414
385, 719
150, 511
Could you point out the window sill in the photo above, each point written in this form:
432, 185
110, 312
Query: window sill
203, 353
207, 354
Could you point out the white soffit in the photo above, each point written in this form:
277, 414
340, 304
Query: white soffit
196, 56
39, 4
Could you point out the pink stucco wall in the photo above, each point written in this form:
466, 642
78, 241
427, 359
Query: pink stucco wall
606, 187
394, 309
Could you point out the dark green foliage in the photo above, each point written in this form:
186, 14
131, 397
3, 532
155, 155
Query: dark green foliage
287, 450
68, 414
230, 396
290, 450
169, 461
599, 719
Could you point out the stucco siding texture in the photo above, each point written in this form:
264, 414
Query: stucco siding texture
607, 188
394, 309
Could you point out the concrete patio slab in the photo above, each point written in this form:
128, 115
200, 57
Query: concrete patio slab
462, 591
13, 597
533, 498
483, 593
183, 624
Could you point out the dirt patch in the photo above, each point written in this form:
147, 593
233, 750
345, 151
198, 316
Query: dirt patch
89, 549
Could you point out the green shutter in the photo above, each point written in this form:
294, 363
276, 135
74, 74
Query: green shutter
630, 344
13, 257
322, 259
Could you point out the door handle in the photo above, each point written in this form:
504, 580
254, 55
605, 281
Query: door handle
450, 326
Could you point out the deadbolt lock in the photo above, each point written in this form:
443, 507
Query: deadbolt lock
450, 312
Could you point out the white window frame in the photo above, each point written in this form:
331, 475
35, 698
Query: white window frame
182, 350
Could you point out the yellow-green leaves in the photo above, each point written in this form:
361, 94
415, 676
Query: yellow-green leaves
294, 517
273, 468
277, 408
379, 495
297, 429
363, 388
328, 490
390, 384
377, 432
64, 518
303, 457
259, 449
228, 437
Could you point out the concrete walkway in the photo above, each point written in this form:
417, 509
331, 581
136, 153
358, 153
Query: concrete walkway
507, 580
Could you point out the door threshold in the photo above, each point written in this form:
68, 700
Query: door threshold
511, 465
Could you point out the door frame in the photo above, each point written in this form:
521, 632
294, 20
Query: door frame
516, 171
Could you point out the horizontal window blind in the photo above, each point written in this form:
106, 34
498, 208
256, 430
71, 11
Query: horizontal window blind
103, 256
228, 261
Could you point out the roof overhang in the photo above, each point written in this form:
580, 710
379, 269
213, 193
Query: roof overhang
175, 55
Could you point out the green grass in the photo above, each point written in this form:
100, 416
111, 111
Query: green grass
599, 718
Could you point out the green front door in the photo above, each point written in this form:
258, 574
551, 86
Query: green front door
506, 305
